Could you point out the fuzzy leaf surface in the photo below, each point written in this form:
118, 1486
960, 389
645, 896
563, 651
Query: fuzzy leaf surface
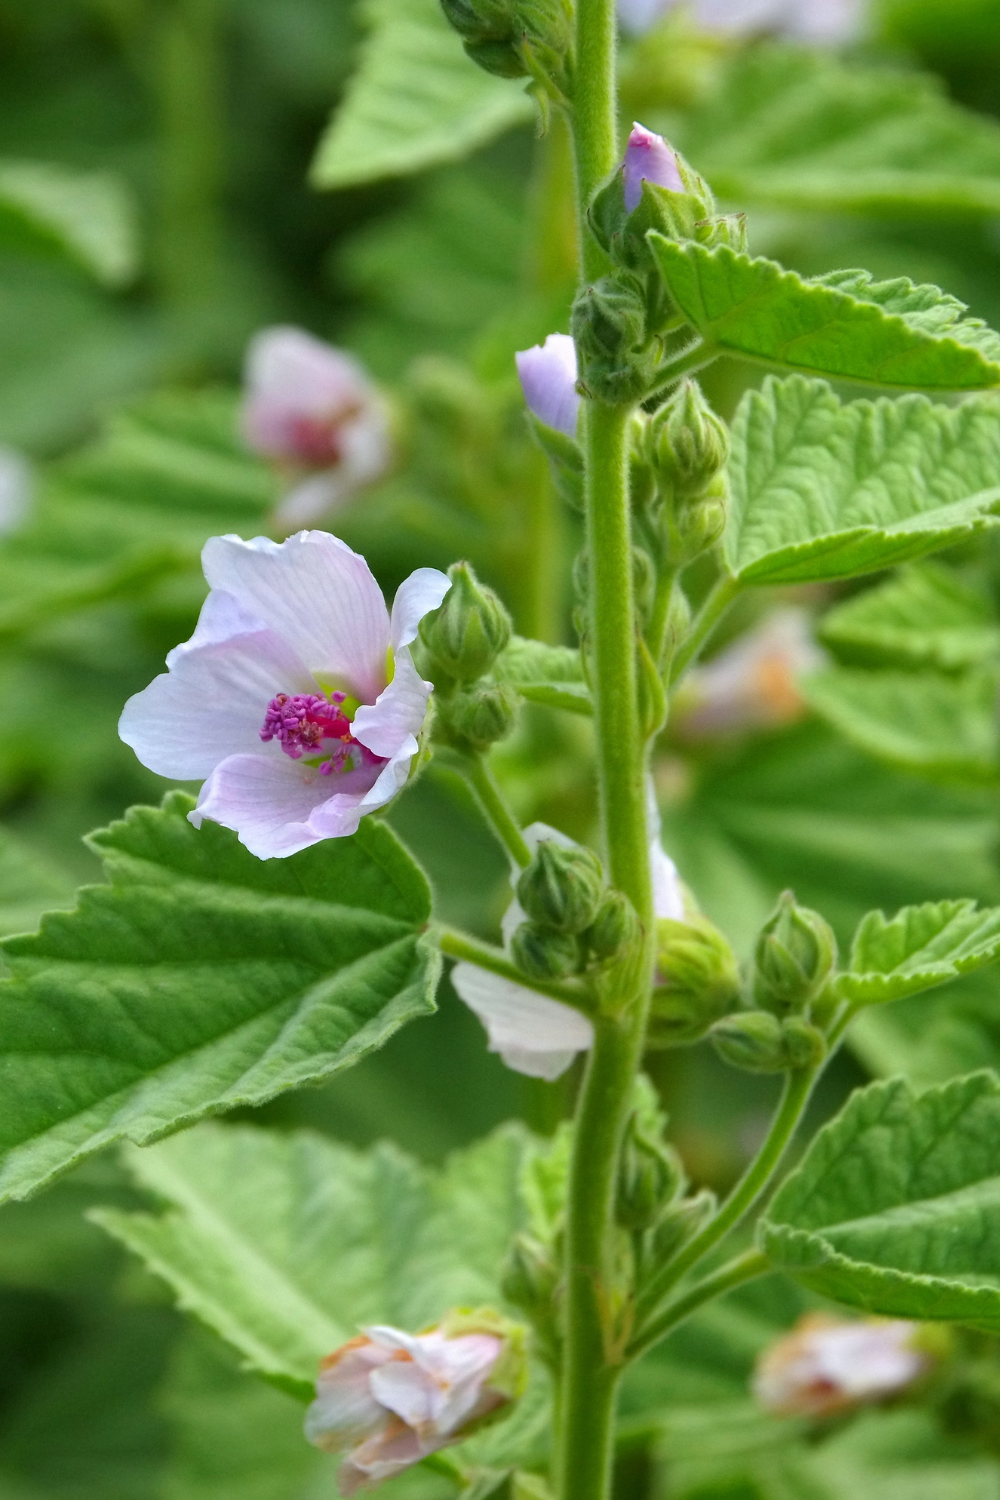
285, 1243
823, 489
918, 948
925, 616
415, 100
927, 722
843, 325
89, 217
545, 674
200, 979
801, 130
896, 1206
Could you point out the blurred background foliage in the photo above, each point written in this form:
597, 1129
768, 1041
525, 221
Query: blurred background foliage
170, 181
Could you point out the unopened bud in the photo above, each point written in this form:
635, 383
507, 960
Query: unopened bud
482, 715
543, 954
805, 1045
678, 620
505, 36
561, 888
697, 980
529, 1275
649, 1178
614, 929
795, 955
653, 189
680, 1223
466, 633
752, 1041
724, 229
687, 443
609, 326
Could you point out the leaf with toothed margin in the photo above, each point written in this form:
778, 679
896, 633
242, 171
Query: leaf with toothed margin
823, 489
917, 949
923, 616
545, 674
201, 979
843, 325
895, 1207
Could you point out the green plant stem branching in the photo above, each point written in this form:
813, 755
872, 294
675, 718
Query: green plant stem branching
460, 945
743, 1268
476, 770
715, 606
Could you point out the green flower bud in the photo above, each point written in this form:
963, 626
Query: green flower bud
678, 620
795, 954
515, 38
480, 20
649, 1178
622, 235
753, 1041
466, 633
724, 229
687, 444
502, 59
680, 1223
608, 323
481, 715
805, 1045
529, 1275
615, 928
697, 980
561, 888
543, 954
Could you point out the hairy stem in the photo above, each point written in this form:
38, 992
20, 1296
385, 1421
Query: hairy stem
493, 803
594, 118
485, 956
754, 1182
742, 1268
662, 600
711, 612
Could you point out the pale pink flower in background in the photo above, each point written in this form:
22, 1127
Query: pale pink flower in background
296, 699
548, 379
828, 1365
534, 1034
313, 411
753, 683
828, 22
648, 158
16, 489
388, 1399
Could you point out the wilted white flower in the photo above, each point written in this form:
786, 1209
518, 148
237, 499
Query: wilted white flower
296, 699
313, 410
753, 683
387, 1399
828, 1365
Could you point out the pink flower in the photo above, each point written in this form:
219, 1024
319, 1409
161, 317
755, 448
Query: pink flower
828, 1365
533, 1033
548, 379
640, 16
296, 699
648, 158
388, 1399
753, 683
313, 410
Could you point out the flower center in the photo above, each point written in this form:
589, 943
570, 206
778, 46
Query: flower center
305, 724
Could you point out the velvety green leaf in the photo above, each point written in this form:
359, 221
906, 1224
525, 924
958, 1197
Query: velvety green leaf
843, 325
200, 979
285, 1243
924, 617
920, 947
89, 216
824, 489
415, 100
936, 725
896, 1205
545, 674
805, 130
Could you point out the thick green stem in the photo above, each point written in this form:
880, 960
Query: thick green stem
711, 612
499, 816
472, 951
595, 122
746, 1267
662, 600
751, 1186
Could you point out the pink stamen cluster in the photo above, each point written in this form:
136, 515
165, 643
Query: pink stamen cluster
302, 721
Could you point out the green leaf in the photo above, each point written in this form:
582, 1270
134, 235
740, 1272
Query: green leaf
88, 216
285, 1243
29, 886
896, 1206
821, 489
415, 100
928, 723
201, 979
935, 1036
924, 617
802, 130
843, 325
918, 948
545, 674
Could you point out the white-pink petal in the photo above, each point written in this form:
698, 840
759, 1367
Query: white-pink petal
389, 726
345, 1411
277, 806
533, 1034
423, 591
318, 595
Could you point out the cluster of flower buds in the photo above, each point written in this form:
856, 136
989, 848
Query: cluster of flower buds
827, 1366
519, 39
697, 980
461, 642
389, 1399
684, 446
793, 960
570, 920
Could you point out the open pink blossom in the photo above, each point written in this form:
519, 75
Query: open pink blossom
648, 158
313, 410
388, 1399
828, 1365
548, 379
533, 1033
296, 699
